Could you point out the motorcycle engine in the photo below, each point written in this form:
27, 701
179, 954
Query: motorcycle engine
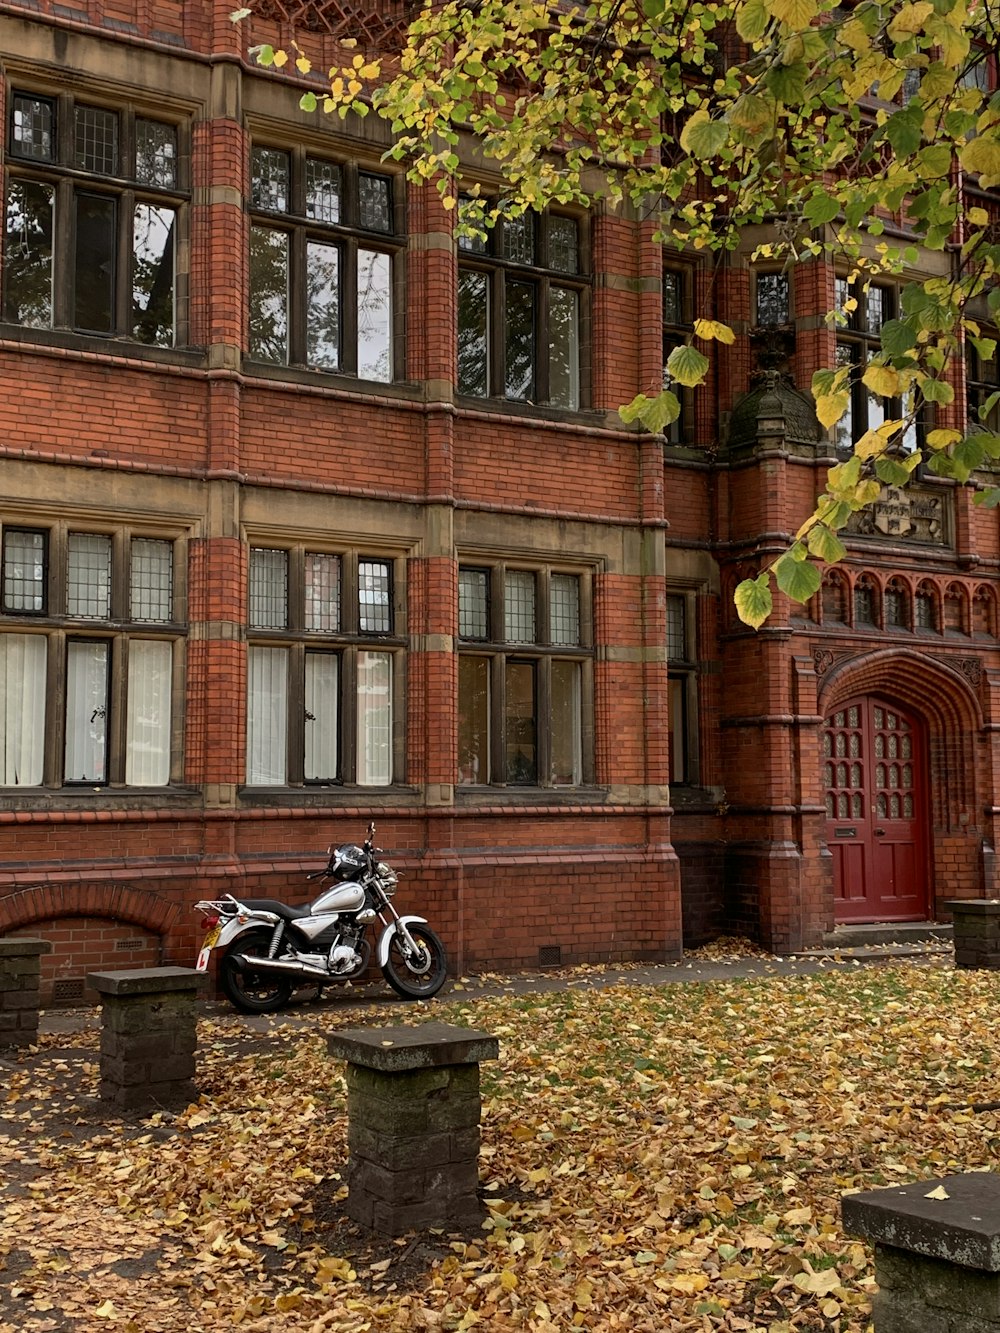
343, 958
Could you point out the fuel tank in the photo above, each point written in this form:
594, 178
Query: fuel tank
348, 897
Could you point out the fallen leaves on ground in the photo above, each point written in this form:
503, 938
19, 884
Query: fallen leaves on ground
653, 1159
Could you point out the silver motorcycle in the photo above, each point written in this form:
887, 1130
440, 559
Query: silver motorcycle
269, 948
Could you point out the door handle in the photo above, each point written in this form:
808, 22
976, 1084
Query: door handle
880, 833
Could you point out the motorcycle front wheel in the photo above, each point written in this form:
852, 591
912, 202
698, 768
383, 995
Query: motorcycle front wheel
420, 977
252, 992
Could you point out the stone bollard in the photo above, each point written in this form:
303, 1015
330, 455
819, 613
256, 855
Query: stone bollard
976, 925
413, 1110
937, 1260
148, 1035
20, 971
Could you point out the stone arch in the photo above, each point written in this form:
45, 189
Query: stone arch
122, 902
942, 697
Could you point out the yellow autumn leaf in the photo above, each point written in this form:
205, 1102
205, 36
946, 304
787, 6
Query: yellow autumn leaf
280, 59
303, 64
882, 380
942, 438
508, 1279
106, 1310
832, 406
689, 1283
711, 328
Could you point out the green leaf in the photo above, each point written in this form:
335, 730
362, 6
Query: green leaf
797, 579
905, 130
753, 600
307, 102
265, 55
788, 82
821, 208
988, 499
891, 471
796, 13
687, 366
657, 413
937, 391
897, 337
825, 545
703, 137
752, 20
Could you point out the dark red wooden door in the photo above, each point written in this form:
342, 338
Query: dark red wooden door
876, 807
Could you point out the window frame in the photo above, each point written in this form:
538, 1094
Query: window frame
853, 332
118, 630
70, 182
500, 652
349, 237
675, 333
347, 642
489, 258
685, 671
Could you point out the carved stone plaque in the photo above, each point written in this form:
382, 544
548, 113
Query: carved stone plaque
915, 514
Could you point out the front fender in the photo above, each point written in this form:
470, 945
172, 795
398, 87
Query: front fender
387, 934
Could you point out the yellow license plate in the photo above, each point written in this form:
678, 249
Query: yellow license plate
207, 946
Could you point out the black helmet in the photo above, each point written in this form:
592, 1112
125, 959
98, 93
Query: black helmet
347, 862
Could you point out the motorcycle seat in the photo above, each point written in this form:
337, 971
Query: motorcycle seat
283, 910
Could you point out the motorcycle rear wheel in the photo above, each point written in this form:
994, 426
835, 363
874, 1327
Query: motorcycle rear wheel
252, 992
421, 978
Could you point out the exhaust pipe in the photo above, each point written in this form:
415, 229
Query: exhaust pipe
285, 966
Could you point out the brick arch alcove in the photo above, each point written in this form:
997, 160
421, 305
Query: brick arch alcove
944, 699
91, 927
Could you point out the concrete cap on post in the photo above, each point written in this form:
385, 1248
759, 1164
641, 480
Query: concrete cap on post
146, 980
396, 1050
962, 1228
977, 906
19, 947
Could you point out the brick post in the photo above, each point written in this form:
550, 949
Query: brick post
20, 970
937, 1260
148, 1035
976, 924
413, 1109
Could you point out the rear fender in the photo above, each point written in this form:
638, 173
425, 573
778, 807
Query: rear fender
386, 937
239, 925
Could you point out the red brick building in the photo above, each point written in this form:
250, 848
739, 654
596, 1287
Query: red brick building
310, 514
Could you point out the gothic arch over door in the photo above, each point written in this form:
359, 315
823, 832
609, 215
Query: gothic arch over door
875, 773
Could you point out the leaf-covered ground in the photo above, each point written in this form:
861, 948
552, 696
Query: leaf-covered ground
653, 1159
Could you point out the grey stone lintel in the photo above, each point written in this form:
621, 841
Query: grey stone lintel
962, 1229
146, 980
397, 1050
974, 906
23, 948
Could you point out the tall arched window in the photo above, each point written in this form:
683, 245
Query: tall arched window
834, 598
925, 608
897, 605
984, 612
866, 606
955, 617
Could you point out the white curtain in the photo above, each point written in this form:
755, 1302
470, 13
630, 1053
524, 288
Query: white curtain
86, 711
22, 707
147, 740
321, 717
267, 717
374, 719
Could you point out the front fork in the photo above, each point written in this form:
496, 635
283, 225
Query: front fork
399, 927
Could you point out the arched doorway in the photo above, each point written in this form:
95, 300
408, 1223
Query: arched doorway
875, 774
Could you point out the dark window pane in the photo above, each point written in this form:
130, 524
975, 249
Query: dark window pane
375, 202
676, 628
564, 609
564, 347
673, 292
678, 729
32, 126
268, 294
322, 190
322, 592
473, 720
519, 239
473, 339
925, 611
23, 570
564, 245
519, 341
96, 245
473, 604
153, 275
864, 606
88, 575
520, 746
772, 299
374, 316
323, 305
27, 285
374, 605
96, 140
567, 729
155, 153
268, 588
876, 308
270, 172
895, 608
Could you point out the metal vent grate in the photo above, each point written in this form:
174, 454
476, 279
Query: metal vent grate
127, 946
67, 990
550, 955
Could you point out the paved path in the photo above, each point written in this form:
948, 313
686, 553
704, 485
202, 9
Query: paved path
305, 1012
